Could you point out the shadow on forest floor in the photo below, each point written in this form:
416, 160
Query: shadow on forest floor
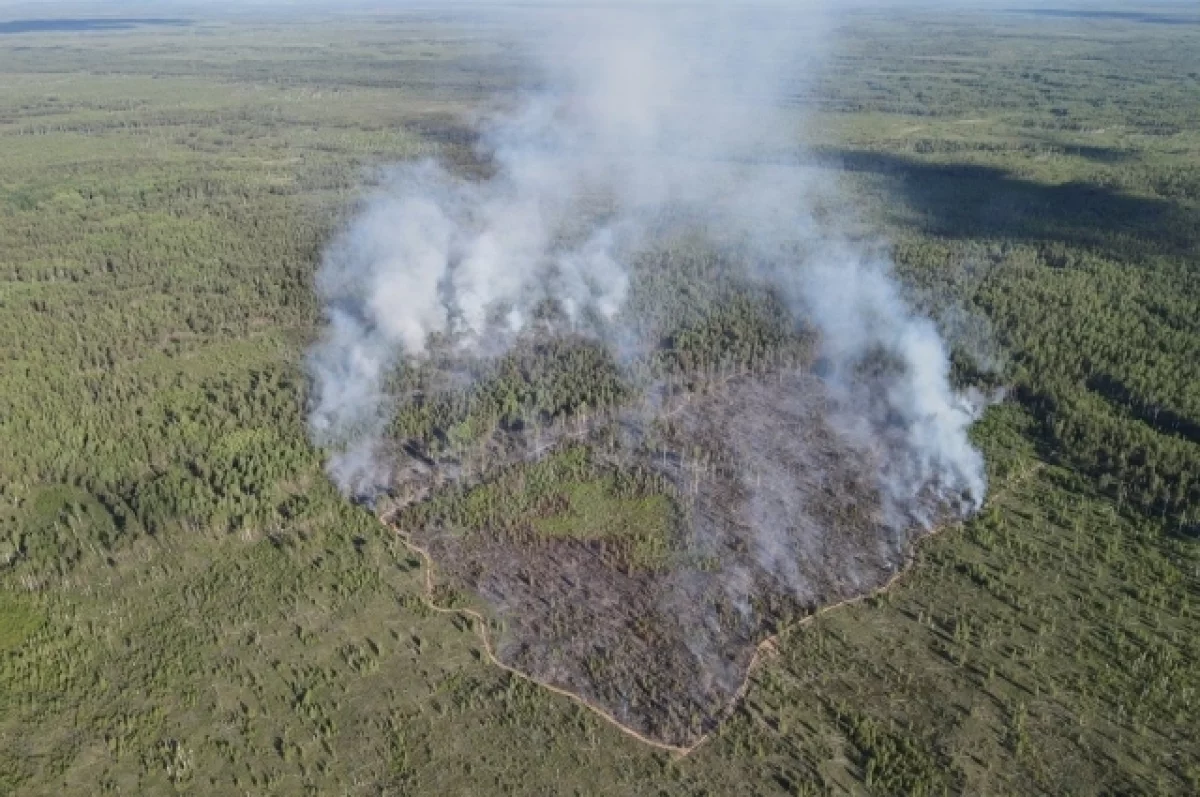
972, 201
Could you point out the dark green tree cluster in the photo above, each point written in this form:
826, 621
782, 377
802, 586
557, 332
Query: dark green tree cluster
746, 329
540, 381
1105, 353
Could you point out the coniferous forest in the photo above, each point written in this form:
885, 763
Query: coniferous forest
187, 604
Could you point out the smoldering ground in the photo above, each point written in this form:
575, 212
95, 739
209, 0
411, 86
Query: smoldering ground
647, 121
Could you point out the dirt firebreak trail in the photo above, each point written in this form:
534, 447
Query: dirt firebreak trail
638, 561
764, 650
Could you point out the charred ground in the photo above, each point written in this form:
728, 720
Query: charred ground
638, 528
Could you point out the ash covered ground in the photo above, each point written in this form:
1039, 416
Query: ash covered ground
773, 514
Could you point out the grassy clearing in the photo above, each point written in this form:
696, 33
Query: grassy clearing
592, 511
18, 621
566, 495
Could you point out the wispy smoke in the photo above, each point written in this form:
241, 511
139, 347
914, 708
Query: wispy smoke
641, 114
909, 408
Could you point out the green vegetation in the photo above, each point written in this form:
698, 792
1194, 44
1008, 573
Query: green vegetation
187, 606
17, 621
595, 510
1048, 645
1058, 197
535, 383
567, 495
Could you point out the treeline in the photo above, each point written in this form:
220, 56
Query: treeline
541, 380
746, 329
1102, 350
1106, 355
690, 319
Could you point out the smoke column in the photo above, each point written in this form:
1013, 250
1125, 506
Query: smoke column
640, 114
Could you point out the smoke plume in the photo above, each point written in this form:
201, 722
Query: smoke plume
639, 115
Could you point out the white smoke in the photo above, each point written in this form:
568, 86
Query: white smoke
643, 113
857, 306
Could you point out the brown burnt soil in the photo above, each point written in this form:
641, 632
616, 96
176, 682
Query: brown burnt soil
778, 515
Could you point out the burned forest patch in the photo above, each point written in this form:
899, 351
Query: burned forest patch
637, 557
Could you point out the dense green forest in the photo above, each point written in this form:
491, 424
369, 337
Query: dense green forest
186, 603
